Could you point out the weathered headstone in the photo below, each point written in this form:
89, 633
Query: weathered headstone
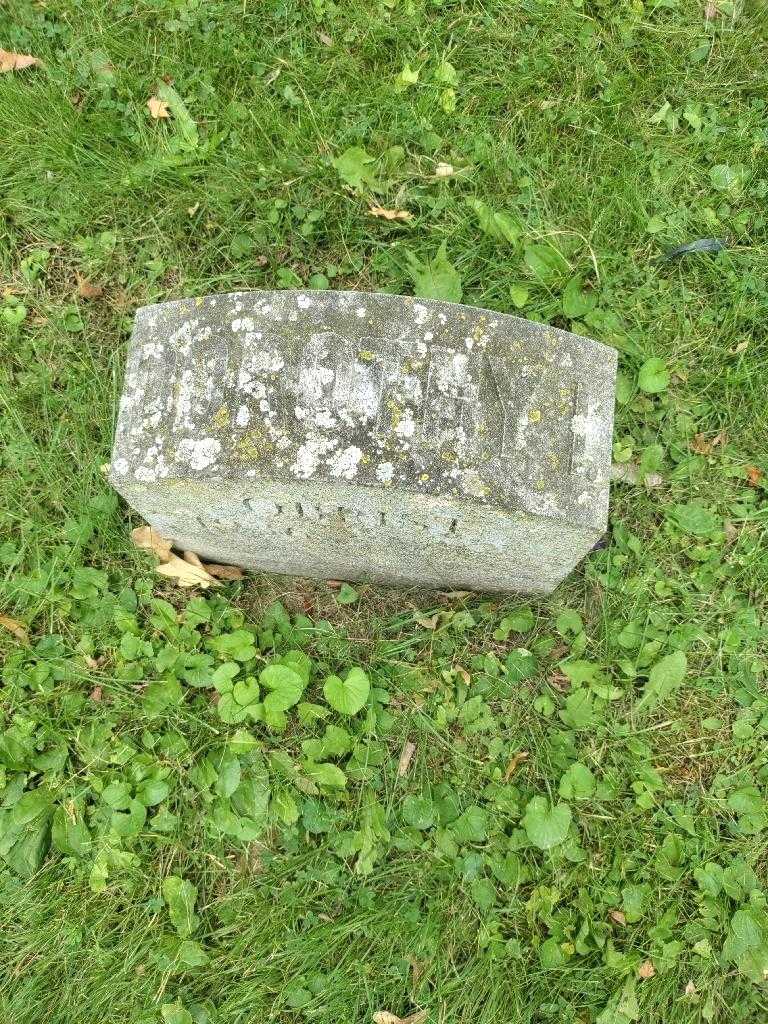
367, 437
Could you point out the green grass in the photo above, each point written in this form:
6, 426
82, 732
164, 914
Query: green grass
606, 132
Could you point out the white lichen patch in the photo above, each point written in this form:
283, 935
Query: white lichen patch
243, 417
385, 471
344, 464
198, 453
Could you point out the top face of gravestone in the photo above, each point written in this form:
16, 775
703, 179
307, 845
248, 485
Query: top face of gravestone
374, 389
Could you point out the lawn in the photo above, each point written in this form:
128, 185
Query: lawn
496, 810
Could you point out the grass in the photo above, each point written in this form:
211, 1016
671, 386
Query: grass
607, 133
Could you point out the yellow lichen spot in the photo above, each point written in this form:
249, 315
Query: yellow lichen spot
424, 477
198, 301
534, 415
541, 485
366, 355
448, 456
396, 414
365, 459
252, 446
554, 460
220, 419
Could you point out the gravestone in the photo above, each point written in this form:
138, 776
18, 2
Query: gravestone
356, 436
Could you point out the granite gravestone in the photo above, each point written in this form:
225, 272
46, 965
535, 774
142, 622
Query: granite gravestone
367, 437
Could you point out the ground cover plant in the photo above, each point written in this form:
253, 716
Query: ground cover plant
281, 801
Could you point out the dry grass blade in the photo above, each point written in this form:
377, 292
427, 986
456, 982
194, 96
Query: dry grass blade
385, 1017
409, 749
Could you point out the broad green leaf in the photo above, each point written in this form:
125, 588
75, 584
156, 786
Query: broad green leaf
546, 825
237, 645
131, 821
325, 774
69, 833
578, 712
180, 897
664, 678
347, 594
577, 783
695, 519
117, 795
162, 694
653, 377
183, 124
546, 263
223, 676
229, 775
471, 826
174, 1013
576, 301
354, 167
286, 686
435, 279
419, 812
551, 955
496, 224
347, 696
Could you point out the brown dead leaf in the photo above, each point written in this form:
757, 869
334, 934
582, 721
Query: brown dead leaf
325, 39
14, 627
560, 681
158, 109
519, 757
738, 349
646, 969
334, 584
406, 756
730, 531
380, 211
690, 989
444, 170
702, 446
617, 916
225, 572
96, 693
87, 289
417, 971
147, 539
93, 663
10, 61
754, 476
711, 10
427, 622
385, 1017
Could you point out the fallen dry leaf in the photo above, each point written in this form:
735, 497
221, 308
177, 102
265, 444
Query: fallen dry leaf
690, 989
147, 539
730, 531
158, 109
380, 211
325, 39
17, 61
185, 573
14, 627
711, 11
417, 971
93, 663
738, 349
754, 476
444, 170
617, 916
406, 756
87, 289
385, 1017
646, 969
701, 446
427, 623
519, 757
96, 693
225, 572
560, 681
